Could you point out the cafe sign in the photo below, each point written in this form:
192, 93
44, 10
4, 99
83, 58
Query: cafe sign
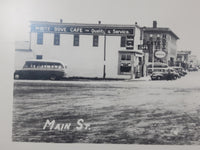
160, 54
77, 29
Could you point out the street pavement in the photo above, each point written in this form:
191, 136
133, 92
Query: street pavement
125, 112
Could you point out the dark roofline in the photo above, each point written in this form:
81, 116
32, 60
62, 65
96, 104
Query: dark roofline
23, 50
184, 52
159, 29
87, 24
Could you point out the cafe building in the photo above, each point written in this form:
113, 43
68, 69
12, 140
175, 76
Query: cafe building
89, 50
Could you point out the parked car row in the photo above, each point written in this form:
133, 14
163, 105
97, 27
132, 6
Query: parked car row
170, 73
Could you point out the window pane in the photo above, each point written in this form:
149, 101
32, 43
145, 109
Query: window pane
128, 57
123, 57
56, 39
123, 41
39, 57
40, 38
164, 36
95, 40
76, 40
125, 68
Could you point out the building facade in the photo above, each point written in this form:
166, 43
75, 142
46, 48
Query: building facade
182, 59
99, 50
89, 50
193, 61
160, 44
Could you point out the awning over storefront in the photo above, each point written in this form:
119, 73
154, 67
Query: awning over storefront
158, 64
137, 53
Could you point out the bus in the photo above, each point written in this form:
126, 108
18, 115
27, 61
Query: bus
41, 69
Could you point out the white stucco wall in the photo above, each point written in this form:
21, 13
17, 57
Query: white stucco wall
22, 53
137, 40
21, 57
83, 60
172, 47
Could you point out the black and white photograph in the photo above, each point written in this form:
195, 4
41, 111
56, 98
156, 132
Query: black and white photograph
105, 72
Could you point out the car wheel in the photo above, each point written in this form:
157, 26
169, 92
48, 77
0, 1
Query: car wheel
158, 78
16, 76
175, 77
52, 77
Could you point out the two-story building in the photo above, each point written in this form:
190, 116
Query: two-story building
161, 44
89, 50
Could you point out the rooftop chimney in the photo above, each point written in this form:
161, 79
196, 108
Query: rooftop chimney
61, 21
99, 22
154, 24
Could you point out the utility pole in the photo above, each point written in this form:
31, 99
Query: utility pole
153, 50
104, 67
132, 66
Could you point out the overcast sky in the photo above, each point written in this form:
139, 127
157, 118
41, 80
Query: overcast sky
181, 16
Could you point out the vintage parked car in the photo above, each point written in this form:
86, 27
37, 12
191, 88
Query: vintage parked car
180, 71
156, 66
175, 73
165, 74
41, 69
184, 72
193, 69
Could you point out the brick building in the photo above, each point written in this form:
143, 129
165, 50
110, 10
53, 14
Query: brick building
162, 42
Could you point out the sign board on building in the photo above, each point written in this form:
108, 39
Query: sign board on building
48, 28
160, 54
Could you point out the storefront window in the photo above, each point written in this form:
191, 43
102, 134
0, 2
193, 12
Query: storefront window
125, 67
125, 57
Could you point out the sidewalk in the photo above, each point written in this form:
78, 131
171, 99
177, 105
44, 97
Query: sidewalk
146, 78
